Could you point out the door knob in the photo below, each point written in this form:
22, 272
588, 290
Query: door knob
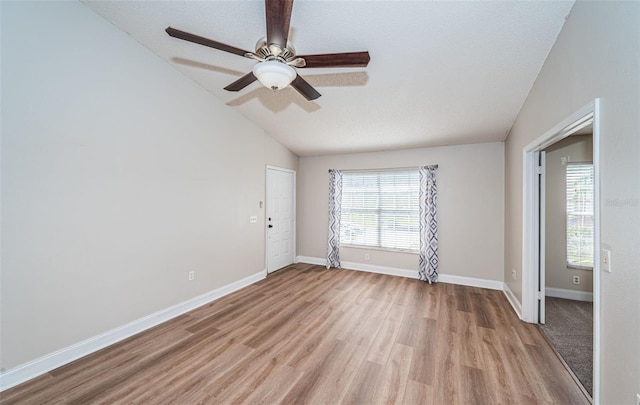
270, 226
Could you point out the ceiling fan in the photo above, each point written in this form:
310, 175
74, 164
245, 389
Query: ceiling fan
276, 56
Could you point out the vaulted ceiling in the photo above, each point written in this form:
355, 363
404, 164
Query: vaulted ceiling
441, 73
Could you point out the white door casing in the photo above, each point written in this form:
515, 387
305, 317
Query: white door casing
280, 217
541, 241
531, 230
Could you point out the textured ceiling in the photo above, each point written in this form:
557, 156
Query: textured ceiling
441, 73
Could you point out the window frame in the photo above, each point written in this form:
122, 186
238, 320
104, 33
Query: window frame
380, 210
569, 263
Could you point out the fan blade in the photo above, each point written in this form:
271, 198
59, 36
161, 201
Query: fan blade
242, 82
328, 60
304, 88
278, 17
205, 41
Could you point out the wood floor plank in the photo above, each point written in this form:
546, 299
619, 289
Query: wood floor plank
363, 386
463, 302
522, 369
476, 391
335, 383
238, 384
182, 383
311, 382
156, 363
407, 287
306, 355
274, 388
308, 335
23, 393
432, 302
552, 378
380, 349
417, 393
425, 353
470, 342
481, 310
393, 383
448, 370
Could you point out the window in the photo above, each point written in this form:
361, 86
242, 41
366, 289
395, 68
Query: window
380, 210
580, 215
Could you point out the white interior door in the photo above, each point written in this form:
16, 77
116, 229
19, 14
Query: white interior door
280, 218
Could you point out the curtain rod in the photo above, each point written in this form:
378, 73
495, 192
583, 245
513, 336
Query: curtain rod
385, 170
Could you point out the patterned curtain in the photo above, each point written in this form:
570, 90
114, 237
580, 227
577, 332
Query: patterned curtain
335, 201
428, 266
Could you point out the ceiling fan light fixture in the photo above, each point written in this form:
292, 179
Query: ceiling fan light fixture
273, 74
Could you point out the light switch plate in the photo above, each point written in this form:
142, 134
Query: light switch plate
606, 260
253, 219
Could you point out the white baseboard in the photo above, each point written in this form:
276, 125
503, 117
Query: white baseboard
471, 281
392, 271
568, 294
34, 368
370, 268
511, 297
311, 260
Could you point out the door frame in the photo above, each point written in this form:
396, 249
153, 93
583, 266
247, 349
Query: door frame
532, 239
266, 224
542, 231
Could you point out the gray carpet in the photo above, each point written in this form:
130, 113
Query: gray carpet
569, 327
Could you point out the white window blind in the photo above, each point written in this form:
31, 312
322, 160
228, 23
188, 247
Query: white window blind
380, 209
580, 215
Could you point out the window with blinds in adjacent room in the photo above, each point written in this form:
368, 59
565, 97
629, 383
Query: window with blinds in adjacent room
580, 223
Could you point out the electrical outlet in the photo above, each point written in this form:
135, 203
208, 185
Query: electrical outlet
513, 274
576, 279
253, 219
192, 275
366, 256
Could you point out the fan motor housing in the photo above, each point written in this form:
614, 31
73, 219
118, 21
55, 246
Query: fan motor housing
273, 51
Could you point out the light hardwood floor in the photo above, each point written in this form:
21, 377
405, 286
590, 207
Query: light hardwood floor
307, 335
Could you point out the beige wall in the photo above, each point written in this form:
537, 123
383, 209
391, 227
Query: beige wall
470, 207
277, 155
119, 175
576, 149
597, 55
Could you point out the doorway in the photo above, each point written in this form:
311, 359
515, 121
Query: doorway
534, 242
566, 319
281, 224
